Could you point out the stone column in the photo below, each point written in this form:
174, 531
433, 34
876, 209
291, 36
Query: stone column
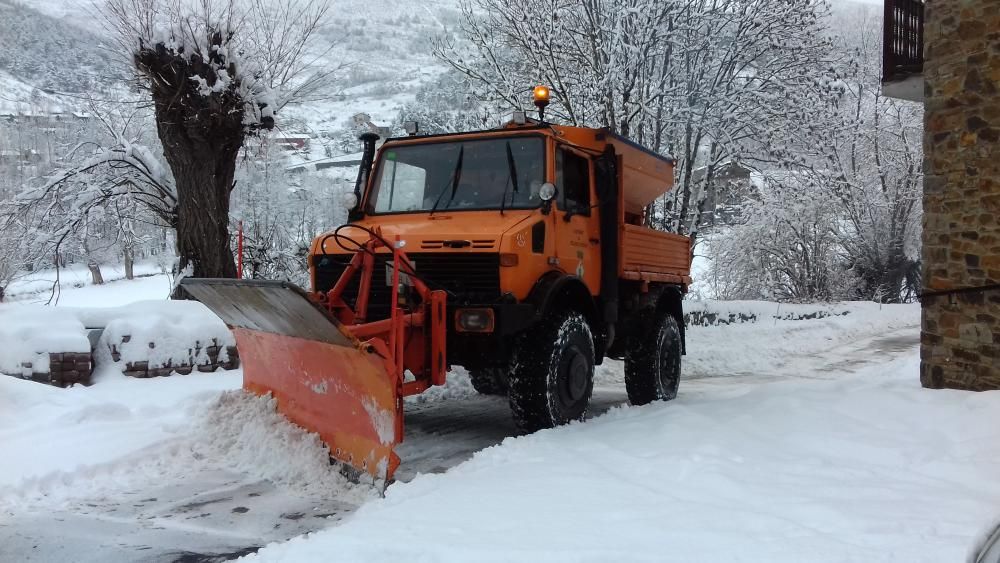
960, 329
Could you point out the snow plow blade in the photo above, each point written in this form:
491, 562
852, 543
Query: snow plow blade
323, 378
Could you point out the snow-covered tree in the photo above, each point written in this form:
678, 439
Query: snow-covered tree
875, 164
449, 105
785, 246
216, 73
97, 202
20, 249
709, 81
283, 211
846, 223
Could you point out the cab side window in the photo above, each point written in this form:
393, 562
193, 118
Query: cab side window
573, 182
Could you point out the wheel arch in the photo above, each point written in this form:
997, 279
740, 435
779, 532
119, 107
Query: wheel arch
671, 302
556, 291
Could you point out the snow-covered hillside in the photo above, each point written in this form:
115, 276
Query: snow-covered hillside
383, 46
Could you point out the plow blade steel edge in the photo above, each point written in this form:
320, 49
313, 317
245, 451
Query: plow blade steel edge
322, 378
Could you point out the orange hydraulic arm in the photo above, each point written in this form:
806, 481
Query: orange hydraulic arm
414, 338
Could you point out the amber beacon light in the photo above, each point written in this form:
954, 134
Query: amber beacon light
541, 95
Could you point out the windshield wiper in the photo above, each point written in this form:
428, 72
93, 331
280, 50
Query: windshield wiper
456, 176
512, 177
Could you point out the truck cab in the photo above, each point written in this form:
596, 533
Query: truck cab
535, 231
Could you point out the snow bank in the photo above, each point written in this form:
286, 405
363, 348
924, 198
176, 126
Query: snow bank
57, 443
245, 433
162, 333
868, 467
711, 312
762, 347
457, 386
126, 434
29, 334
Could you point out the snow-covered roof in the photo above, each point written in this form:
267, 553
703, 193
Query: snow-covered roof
342, 161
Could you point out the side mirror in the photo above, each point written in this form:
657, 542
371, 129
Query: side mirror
349, 200
547, 193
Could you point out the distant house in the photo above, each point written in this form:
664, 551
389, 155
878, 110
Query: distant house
291, 141
342, 161
730, 186
363, 120
14, 156
30, 116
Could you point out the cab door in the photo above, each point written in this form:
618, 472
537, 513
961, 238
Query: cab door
577, 225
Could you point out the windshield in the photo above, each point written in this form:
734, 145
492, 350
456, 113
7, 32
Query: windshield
500, 173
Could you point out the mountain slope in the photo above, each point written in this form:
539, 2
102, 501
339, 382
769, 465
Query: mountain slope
51, 54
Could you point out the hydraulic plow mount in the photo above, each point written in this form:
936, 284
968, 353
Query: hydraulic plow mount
331, 372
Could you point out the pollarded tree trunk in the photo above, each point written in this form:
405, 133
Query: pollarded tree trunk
204, 163
200, 107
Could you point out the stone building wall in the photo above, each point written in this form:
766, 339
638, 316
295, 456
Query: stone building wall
960, 339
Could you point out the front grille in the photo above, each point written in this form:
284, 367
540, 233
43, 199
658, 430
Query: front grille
481, 244
468, 277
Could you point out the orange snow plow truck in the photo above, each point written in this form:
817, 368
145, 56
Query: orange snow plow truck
520, 253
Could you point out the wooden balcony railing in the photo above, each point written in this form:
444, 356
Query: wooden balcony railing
903, 40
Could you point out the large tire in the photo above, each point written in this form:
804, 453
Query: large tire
552, 373
653, 359
489, 381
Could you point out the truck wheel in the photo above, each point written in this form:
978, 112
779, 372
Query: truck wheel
653, 360
552, 373
489, 381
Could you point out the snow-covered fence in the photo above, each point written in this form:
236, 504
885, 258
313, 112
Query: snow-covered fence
714, 313
61, 369
157, 338
44, 345
199, 357
63, 346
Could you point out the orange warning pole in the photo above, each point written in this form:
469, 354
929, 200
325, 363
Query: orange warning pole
239, 250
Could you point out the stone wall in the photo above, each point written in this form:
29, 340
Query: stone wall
64, 369
961, 245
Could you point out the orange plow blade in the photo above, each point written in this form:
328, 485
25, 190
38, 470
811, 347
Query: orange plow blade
322, 378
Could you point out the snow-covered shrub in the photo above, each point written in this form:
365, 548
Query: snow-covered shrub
786, 247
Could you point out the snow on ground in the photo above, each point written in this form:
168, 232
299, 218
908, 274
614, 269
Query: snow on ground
156, 470
75, 288
53, 438
761, 347
28, 334
789, 440
855, 467
111, 437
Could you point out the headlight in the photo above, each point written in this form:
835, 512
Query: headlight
474, 320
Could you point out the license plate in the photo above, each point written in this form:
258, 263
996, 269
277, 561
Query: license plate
403, 277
